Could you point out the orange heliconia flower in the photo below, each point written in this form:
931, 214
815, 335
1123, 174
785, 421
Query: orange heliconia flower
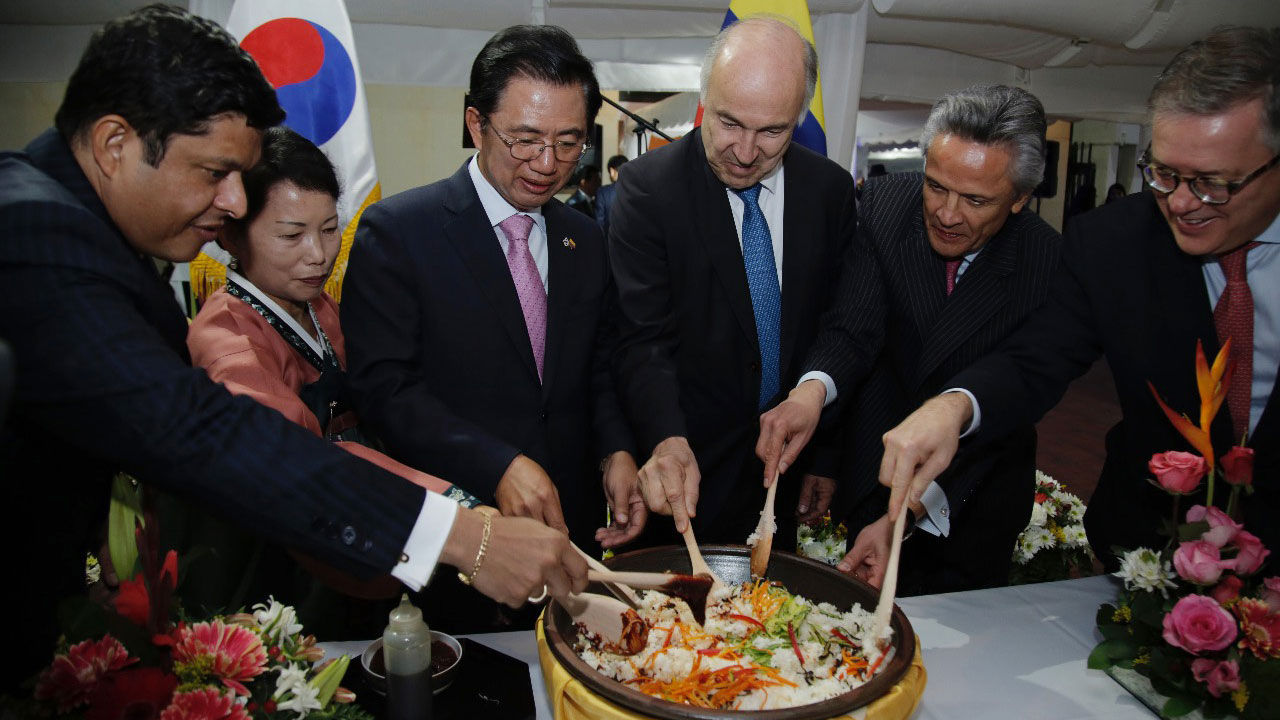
1212, 384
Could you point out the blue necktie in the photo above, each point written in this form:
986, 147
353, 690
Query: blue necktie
766, 296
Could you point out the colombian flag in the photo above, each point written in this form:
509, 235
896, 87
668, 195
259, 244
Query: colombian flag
810, 133
306, 51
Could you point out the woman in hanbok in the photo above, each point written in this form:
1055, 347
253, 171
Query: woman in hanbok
273, 333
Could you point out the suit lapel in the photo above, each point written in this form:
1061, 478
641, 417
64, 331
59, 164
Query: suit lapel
561, 271
720, 238
983, 290
798, 267
475, 242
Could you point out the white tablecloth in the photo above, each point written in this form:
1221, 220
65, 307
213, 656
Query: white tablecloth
1014, 652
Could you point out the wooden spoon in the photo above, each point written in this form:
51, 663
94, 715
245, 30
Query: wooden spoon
889, 588
609, 623
697, 565
622, 592
693, 589
764, 533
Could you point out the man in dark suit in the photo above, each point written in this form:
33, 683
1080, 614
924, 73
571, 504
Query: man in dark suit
726, 245
604, 196
160, 118
1144, 279
584, 197
946, 264
477, 308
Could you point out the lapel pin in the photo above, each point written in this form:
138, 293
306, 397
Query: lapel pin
569, 243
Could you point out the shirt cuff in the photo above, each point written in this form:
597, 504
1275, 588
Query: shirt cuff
976, 422
426, 541
827, 382
937, 517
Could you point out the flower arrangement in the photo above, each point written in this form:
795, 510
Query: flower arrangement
1053, 546
126, 658
824, 542
1194, 618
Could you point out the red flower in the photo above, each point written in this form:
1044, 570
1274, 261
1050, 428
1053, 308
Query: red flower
1040, 498
134, 694
134, 602
1177, 472
234, 653
204, 704
1237, 465
1259, 628
71, 678
1227, 590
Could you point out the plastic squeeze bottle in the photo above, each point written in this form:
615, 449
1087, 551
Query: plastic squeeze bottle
406, 649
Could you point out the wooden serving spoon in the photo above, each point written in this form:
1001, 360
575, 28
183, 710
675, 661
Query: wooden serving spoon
764, 533
608, 622
697, 565
889, 588
693, 589
622, 592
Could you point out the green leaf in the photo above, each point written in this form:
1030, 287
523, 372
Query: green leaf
1192, 531
1109, 651
1178, 706
1114, 632
125, 511
326, 681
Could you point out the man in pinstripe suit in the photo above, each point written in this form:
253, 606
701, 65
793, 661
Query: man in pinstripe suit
946, 264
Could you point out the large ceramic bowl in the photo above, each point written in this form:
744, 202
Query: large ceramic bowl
801, 576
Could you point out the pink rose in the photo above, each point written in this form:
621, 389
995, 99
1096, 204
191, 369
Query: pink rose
1198, 561
1221, 676
1222, 529
1237, 466
1250, 553
1178, 472
1271, 593
1198, 623
1228, 589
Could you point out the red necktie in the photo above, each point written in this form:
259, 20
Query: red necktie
1233, 318
953, 268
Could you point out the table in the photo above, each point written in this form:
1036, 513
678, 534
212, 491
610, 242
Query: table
1012, 652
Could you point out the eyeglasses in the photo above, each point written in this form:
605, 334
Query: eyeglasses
1211, 190
529, 149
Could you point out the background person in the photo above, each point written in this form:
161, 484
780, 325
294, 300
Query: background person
604, 196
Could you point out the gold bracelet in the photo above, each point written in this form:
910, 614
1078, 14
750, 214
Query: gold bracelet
484, 546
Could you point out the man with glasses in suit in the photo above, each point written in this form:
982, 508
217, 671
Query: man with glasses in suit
477, 308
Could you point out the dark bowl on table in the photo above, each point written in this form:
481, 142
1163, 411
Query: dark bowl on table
802, 576
375, 667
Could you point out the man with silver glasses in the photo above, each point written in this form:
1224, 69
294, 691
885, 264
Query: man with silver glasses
1195, 259
476, 309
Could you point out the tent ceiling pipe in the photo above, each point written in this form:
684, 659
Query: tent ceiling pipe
1135, 24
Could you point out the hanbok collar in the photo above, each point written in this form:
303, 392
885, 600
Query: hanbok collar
320, 346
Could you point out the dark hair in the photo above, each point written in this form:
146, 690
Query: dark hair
589, 173
286, 157
166, 72
616, 162
1231, 65
541, 52
994, 115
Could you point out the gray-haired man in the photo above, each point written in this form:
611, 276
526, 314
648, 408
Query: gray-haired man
946, 264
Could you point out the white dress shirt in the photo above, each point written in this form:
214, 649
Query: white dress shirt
498, 209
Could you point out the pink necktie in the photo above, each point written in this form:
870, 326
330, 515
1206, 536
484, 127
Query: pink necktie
1233, 318
953, 267
524, 272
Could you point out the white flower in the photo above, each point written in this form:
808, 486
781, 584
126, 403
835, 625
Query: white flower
1142, 569
1039, 516
294, 693
1076, 536
275, 617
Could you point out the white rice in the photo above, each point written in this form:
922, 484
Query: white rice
822, 675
